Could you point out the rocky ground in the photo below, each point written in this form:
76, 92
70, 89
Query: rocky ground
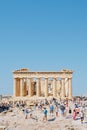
15, 120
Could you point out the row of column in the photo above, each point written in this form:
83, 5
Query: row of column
20, 87
69, 84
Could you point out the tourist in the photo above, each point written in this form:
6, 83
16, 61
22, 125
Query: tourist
56, 110
76, 105
46, 102
45, 114
62, 108
34, 107
74, 114
26, 113
81, 116
30, 112
51, 109
77, 111
70, 110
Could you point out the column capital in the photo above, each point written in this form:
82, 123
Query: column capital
45, 78
38, 79
70, 78
54, 78
63, 78
21, 78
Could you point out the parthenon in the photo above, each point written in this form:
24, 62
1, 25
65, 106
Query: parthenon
43, 84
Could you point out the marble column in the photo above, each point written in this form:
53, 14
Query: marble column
66, 87
59, 88
70, 88
15, 87
46, 87
63, 88
24, 87
18, 87
21, 87
54, 88
29, 87
38, 88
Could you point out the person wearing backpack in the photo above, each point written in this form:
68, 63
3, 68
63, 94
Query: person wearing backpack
51, 109
45, 114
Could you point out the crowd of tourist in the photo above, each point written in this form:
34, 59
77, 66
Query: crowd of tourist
55, 108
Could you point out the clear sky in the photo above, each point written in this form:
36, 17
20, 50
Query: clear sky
43, 35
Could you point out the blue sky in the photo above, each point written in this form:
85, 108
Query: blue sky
43, 35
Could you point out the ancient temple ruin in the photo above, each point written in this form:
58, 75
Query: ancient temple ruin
43, 84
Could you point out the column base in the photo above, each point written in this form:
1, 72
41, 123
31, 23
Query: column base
70, 97
46, 96
29, 96
63, 97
